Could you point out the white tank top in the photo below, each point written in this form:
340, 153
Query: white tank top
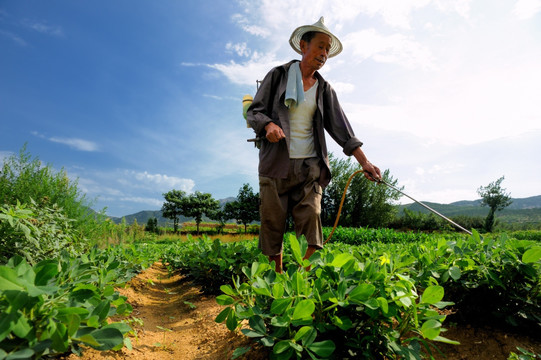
301, 144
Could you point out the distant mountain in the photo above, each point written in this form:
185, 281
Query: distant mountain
520, 210
523, 210
143, 216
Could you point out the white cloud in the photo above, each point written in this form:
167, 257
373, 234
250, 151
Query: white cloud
13, 37
342, 87
396, 49
241, 49
526, 9
143, 200
247, 72
44, 28
161, 182
78, 144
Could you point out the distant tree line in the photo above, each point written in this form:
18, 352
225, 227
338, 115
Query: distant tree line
244, 210
366, 204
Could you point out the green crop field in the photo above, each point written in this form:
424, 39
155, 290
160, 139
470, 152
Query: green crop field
368, 292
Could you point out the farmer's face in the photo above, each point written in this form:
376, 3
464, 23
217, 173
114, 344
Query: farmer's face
316, 52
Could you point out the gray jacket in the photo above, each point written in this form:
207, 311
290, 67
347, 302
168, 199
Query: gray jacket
268, 105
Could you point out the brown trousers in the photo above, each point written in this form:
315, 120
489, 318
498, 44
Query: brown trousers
300, 194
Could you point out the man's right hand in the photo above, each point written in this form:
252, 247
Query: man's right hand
274, 132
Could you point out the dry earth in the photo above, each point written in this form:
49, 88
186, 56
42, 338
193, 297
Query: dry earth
178, 323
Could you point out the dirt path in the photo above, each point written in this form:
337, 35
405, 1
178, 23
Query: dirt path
178, 323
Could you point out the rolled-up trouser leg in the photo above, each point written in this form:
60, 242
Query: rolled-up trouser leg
306, 211
301, 192
273, 212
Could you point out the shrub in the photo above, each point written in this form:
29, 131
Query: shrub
23, 179
37, 232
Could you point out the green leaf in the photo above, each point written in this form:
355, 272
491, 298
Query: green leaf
5, 324
323, 349
251, 333
225, 300
431, 329
372, 304
228, 290
222, 316
60, 338
87, 339
532, 255
21, 354
302, 332
73, 310
278, 306
102, 310
240, 351
8, 279
231, 321
93, 321
281, 346
361, 293
107, 338
295, 248
120, 326
73, 321
17, 299
257, 323
445, 340
344, 323
455, 272
304, 309
277, 290
383, 304
21, 328
341, 259
432, 294
45, 271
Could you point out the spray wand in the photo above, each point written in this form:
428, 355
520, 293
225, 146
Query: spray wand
382, 181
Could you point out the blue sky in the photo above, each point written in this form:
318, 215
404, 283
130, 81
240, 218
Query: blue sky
135, 98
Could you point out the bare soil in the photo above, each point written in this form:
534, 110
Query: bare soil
178, 323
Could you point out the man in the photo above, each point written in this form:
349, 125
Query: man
290, 111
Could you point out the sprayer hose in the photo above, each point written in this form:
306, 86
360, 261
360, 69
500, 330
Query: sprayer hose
342, 204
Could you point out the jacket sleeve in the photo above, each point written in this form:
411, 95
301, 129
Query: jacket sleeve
261, 112
337, 124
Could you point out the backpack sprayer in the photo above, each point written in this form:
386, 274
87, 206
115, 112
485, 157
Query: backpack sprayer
247, 101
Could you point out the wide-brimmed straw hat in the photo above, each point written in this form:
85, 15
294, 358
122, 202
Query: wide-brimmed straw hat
295, 39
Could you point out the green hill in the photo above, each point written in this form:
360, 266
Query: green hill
521, 210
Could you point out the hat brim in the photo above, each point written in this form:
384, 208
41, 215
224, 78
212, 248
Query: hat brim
295, 39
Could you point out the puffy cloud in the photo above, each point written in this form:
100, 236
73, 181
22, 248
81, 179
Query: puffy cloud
526, 9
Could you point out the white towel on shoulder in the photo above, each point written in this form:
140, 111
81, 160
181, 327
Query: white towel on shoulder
294, 87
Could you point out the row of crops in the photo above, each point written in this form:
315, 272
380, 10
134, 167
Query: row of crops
367, 294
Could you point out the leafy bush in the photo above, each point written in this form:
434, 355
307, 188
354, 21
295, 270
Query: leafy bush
57, 305
346, 306
358, 236
24, 179
211, 263
527, 235
36, 232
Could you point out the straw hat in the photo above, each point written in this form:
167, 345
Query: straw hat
295, 39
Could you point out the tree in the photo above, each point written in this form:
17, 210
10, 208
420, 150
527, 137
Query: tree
495, 198
174, 206
199, 204
152, 225
245, 208
366, 203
